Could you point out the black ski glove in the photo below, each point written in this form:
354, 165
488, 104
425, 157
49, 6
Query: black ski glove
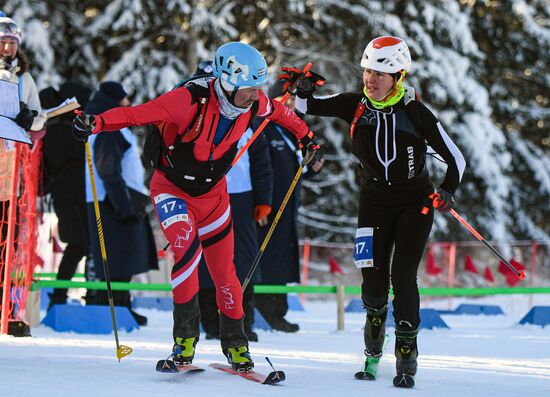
25, 117
443, 200
83, 125
303, 83
310, 149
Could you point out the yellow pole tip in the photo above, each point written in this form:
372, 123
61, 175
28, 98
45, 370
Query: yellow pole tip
123, 351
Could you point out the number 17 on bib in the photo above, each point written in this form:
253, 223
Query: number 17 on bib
362, 253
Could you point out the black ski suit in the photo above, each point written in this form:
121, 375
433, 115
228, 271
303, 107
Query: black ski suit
390, 143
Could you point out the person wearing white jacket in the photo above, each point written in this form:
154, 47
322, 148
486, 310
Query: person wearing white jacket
14, 67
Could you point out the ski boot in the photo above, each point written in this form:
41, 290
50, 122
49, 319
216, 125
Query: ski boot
183, 351
374, 335
239, 358
406, 353
186, 322
234, 343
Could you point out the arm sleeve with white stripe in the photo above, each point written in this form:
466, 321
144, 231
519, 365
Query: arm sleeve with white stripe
341, 106
440, 141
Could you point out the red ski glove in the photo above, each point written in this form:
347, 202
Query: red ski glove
304, 83
443, 200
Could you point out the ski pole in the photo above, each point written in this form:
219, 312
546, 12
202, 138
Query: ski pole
276, 220
264, 123
121, 350
519, 274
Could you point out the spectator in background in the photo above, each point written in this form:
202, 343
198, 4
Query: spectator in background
122, 197
14, 67
64, 167
280, 263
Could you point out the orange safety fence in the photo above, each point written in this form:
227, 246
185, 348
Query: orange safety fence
445, 264
20, 171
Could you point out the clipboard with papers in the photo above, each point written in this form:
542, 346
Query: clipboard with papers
9, 108
67, 105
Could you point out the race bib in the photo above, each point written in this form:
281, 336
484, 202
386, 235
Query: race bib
170, 209
362, 252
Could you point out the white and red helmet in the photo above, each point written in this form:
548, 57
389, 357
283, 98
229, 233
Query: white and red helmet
8, 28
387, 54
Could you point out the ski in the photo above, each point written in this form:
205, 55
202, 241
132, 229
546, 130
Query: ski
270, 379
170, 367
370, 368
404, 380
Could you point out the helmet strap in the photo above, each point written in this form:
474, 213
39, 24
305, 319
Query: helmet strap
228, 109
230, 95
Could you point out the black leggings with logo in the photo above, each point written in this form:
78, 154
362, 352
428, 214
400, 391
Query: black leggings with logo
400, 235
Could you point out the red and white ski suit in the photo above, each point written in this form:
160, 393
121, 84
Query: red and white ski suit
198, 225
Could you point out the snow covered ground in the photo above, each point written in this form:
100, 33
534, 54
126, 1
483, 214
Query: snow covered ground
478, 356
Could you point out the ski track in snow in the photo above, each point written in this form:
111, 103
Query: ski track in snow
478, 356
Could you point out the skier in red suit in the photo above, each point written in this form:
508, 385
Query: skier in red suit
198, 125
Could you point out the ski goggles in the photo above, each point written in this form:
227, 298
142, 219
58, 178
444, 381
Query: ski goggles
10, 29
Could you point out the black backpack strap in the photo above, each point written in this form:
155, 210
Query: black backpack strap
199, 88
254, 109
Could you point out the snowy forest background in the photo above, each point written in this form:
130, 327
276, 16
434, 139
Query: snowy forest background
483, 67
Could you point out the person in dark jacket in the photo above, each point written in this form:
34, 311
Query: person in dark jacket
64, 166
122, 199
249, 184
280, 263
390, 131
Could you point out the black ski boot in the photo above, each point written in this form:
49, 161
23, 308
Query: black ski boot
374, 335
375, 329
273, 308
186, 331
235, 344
406, 352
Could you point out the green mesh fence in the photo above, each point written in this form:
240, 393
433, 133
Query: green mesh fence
41, 282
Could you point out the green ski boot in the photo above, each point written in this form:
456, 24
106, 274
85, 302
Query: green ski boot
239, 358
375, 341
184, 350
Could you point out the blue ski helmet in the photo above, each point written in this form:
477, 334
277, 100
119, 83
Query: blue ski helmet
240, 65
